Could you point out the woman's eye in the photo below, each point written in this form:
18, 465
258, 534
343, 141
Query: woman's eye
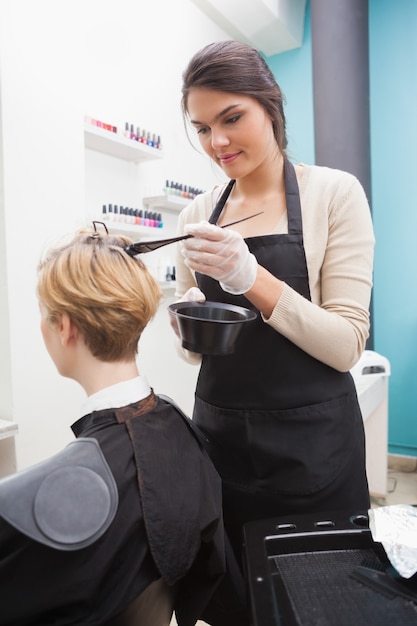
201, 131
233, 119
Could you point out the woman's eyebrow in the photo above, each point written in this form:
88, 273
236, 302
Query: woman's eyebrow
219, 115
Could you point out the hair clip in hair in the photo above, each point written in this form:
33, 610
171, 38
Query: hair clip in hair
96, 234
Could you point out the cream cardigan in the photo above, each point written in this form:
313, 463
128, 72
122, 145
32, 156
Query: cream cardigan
339, 245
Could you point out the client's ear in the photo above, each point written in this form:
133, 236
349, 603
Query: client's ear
68, 332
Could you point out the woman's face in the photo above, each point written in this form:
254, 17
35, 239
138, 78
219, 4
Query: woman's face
234, 130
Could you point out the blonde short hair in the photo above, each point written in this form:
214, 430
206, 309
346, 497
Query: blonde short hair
109, 295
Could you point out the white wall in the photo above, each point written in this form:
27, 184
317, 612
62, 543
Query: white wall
116, 61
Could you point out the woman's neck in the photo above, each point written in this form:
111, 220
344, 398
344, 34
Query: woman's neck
103, 374
267, 179
263, 190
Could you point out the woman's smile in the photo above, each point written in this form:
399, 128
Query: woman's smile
226, 159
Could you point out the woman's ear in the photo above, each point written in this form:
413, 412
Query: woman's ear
68, 332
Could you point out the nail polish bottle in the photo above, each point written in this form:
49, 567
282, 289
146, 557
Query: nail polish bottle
160, 222
127, 133
132, 132
110, 213
104, 213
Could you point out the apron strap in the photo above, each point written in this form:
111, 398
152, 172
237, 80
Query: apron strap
295, 223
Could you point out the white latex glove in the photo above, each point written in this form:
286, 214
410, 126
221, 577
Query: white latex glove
192, 295
221, 254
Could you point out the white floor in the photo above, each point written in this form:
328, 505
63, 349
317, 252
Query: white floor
402, 489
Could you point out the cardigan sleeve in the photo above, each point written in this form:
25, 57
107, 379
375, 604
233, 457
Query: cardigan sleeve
339, 243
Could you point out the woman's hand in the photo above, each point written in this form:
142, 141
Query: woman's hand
221, 254
192, 295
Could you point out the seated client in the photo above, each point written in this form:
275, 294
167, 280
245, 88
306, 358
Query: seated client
124, 525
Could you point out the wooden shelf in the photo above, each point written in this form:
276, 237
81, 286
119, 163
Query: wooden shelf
105, 141
167, 202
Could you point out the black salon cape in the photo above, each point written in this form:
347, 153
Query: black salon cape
170, 526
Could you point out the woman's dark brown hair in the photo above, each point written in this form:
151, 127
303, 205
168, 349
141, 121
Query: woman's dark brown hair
236, 67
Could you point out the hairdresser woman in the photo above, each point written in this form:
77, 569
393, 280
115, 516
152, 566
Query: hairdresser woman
281, 412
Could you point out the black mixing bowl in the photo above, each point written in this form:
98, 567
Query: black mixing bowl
210, 327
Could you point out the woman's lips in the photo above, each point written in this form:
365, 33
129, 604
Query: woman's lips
226, 159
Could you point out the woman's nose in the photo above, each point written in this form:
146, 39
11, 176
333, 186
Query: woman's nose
219, 138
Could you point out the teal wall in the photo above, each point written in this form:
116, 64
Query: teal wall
393, 92
393, 113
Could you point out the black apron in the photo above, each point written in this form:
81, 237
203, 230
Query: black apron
285, 430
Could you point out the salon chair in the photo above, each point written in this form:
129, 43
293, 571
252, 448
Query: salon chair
153, 607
